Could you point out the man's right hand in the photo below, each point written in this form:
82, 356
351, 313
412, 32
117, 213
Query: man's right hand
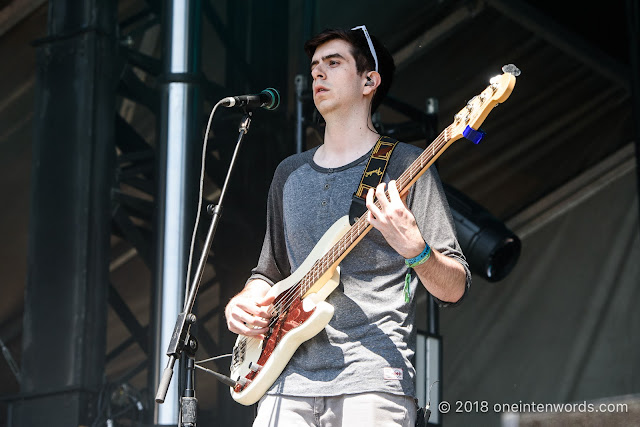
248, 313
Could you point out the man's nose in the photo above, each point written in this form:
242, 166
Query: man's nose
317, 72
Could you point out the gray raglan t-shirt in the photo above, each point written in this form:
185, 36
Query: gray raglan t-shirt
369, 342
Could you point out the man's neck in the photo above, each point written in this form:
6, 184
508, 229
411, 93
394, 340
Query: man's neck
345, 141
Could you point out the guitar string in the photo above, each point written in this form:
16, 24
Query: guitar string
322, 264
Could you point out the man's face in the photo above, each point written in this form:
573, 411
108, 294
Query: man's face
336, 82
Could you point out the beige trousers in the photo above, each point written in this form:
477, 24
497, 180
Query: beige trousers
351, 410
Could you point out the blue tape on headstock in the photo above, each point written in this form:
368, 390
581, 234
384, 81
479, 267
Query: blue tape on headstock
473, 135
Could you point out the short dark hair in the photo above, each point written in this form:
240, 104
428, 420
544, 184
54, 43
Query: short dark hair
362, 55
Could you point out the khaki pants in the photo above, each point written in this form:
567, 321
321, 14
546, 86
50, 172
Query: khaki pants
351, 410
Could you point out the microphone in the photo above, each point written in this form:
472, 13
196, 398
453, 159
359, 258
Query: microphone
268, 99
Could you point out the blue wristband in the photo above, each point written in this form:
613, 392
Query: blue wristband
420, 259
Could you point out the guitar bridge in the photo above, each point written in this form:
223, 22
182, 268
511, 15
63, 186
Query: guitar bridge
239, 353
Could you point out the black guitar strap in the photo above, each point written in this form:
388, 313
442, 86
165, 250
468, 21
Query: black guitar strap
372, 175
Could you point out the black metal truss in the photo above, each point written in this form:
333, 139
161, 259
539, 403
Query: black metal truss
134, 184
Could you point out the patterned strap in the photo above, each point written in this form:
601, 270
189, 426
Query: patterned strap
372, 175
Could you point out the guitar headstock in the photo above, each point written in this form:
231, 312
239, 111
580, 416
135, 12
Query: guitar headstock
479, 107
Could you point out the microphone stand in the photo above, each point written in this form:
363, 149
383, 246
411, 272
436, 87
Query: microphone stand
188, 402
181, 338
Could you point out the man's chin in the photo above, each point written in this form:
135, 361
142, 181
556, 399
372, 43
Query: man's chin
324, 106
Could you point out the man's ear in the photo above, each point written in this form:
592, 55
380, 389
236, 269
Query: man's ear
372, 81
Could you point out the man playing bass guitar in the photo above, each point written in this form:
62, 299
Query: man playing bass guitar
357, 370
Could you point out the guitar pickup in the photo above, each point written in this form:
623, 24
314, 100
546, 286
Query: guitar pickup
243, 381
255, 367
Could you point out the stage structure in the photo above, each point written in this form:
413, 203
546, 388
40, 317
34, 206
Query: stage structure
68, 257
121, 104
113, 157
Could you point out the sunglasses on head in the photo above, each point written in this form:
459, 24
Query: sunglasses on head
371, 48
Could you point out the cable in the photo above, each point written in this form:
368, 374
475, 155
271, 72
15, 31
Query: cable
427, 411
371, 115
100, 408
429, 394
214, 358
197, 222
116, 400
11, 362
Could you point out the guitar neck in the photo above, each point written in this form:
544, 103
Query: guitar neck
361, 227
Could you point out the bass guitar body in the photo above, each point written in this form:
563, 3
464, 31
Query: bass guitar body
256, 364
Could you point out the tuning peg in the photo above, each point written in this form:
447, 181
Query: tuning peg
469, 106
511, 69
